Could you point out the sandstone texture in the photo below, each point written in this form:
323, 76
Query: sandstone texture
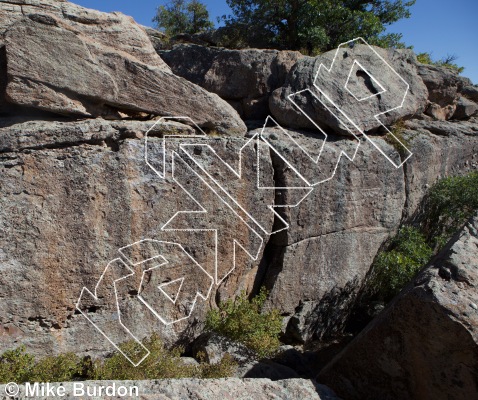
116, 70
443, 87
81, 157
358, 92
84, 191
245, 78
213, 389
425, 344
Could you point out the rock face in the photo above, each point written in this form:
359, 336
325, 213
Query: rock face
425, 344
465, 108
315, 269
213, 389
360, 91
75, 187
443, 86
73, 193
245, 78
48, 46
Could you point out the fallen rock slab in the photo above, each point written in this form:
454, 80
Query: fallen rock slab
90, 64
425, 344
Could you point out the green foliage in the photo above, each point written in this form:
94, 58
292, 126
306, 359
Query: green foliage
315, 24
181, 16
18, 366
398, 130
64, 367
447, 62
424, 58
393, 269
449, 203
242, 320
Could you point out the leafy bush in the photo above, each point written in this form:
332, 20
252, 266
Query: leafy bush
449, 203
447, 62
64, 367
242, 320
398, 130
18, 366
160, 364
394, 268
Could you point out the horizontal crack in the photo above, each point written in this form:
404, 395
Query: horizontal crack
353, 229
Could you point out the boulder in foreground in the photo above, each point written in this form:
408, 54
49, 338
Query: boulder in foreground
425, 344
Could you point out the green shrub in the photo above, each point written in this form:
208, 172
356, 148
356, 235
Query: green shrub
449, 203
64, 367
242, 320
394, 268
447, 62
18, 366
160, 364
398, 130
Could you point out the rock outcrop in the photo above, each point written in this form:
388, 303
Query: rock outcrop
73, 193
116, 70
315, 269
76, 186
444, 86
425, 344
245, 78
359, 91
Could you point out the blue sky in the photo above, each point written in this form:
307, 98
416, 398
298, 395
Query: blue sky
441, 27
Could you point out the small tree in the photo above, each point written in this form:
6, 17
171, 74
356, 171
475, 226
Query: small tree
180, 16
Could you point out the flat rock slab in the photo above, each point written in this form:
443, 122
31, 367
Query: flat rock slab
83, 63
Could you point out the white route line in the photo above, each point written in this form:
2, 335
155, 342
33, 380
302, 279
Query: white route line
204, 211
238, 173
329, 70
95, 297
155, 312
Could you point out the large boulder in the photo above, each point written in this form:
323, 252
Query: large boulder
116, 70
245, 78
465, 108
73, 193
471, 92
425, 344
360, 83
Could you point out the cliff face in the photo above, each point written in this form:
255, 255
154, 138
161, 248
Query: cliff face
79, 90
